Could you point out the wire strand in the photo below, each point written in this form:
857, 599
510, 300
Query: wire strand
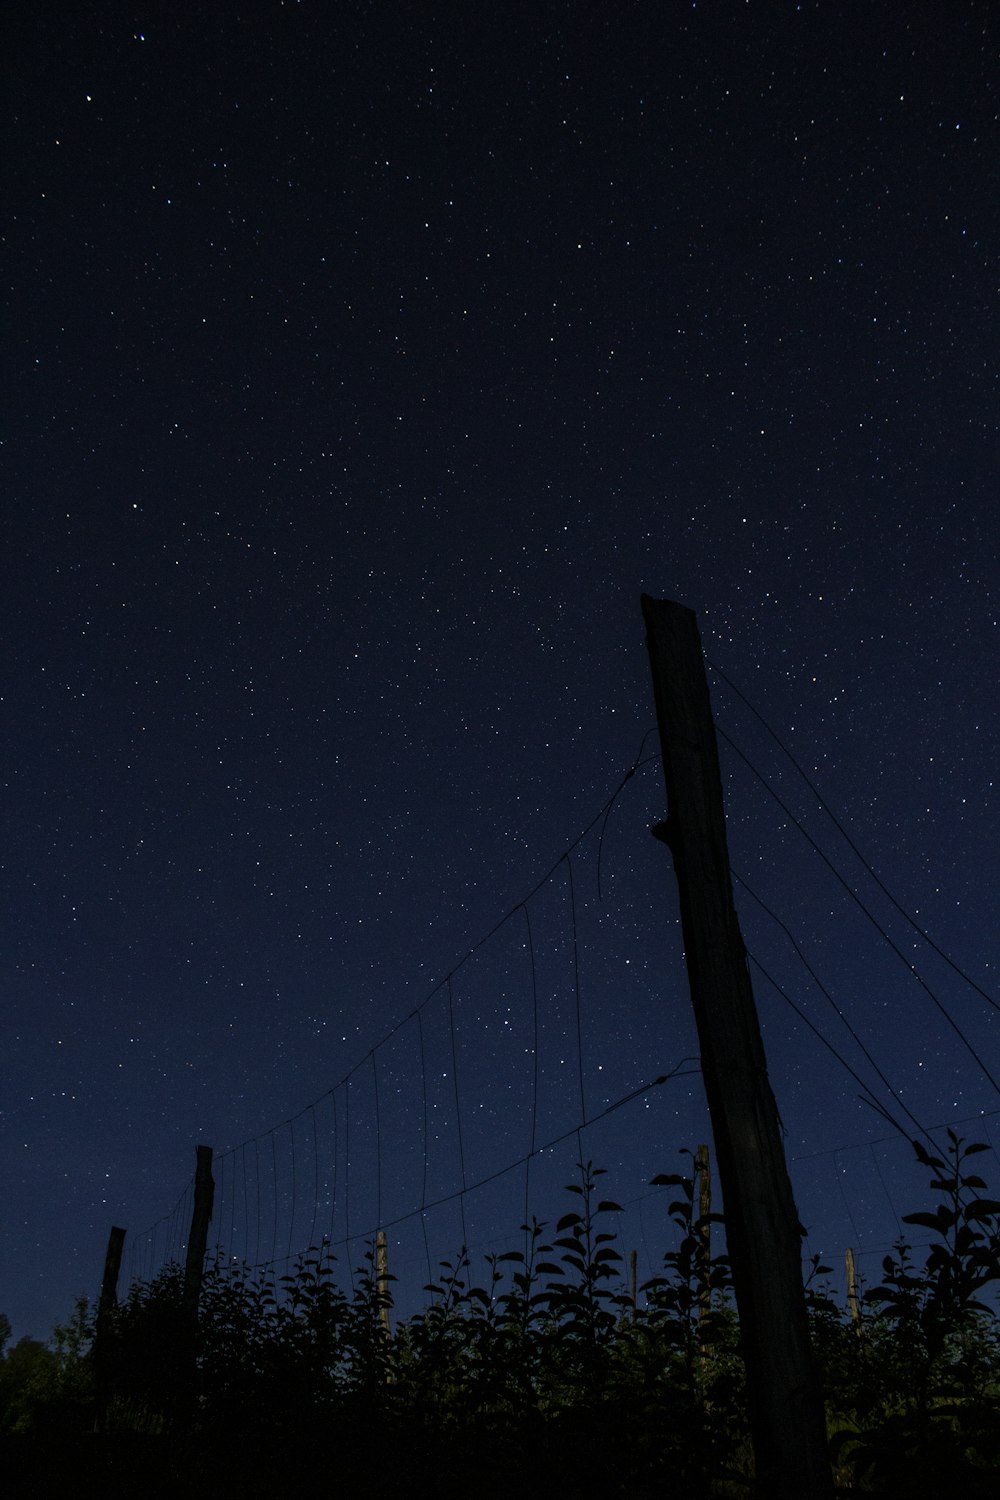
921, 931
912, 968
820, 1037
576, 987
835, 1007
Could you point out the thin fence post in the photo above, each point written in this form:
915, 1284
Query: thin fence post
201, 1216
112, 1268
852, 1289
103, 1331
382, 1280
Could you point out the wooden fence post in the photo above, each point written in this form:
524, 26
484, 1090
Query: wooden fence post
103, 1361
852, 1289
109, 1283
382, 1280
201, 1215
787, 1415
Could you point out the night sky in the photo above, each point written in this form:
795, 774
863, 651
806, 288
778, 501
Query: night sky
363, 364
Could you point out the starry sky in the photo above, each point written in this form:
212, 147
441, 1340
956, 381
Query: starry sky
364, 363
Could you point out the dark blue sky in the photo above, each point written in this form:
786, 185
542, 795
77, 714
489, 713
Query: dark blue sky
364, 364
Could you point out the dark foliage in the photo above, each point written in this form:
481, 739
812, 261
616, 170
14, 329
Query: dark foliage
546, 1370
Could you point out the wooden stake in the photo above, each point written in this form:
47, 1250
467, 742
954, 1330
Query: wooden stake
852, 1289
787, 1417
112, 1268
382, 1280
201, 1215
103, 1334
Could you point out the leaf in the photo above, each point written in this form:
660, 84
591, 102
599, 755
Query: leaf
940, 1221
606, 1206
568, 1244
667, 1179
566, 1222
983, 1208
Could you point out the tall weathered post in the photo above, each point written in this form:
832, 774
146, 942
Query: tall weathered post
194, 1271
103, 1331
382, 1281
112, 1270
787, 1417
201, 1215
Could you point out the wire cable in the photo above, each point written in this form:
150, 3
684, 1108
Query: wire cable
481, 943
827, 1044
912, 968
677, 1071
458, 1109
576, 987
636, 765
921, 931
312, 1226
378, 1142
835, 1007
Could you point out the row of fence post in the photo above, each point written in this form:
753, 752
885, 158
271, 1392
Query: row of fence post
194, 1265
201, 1215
